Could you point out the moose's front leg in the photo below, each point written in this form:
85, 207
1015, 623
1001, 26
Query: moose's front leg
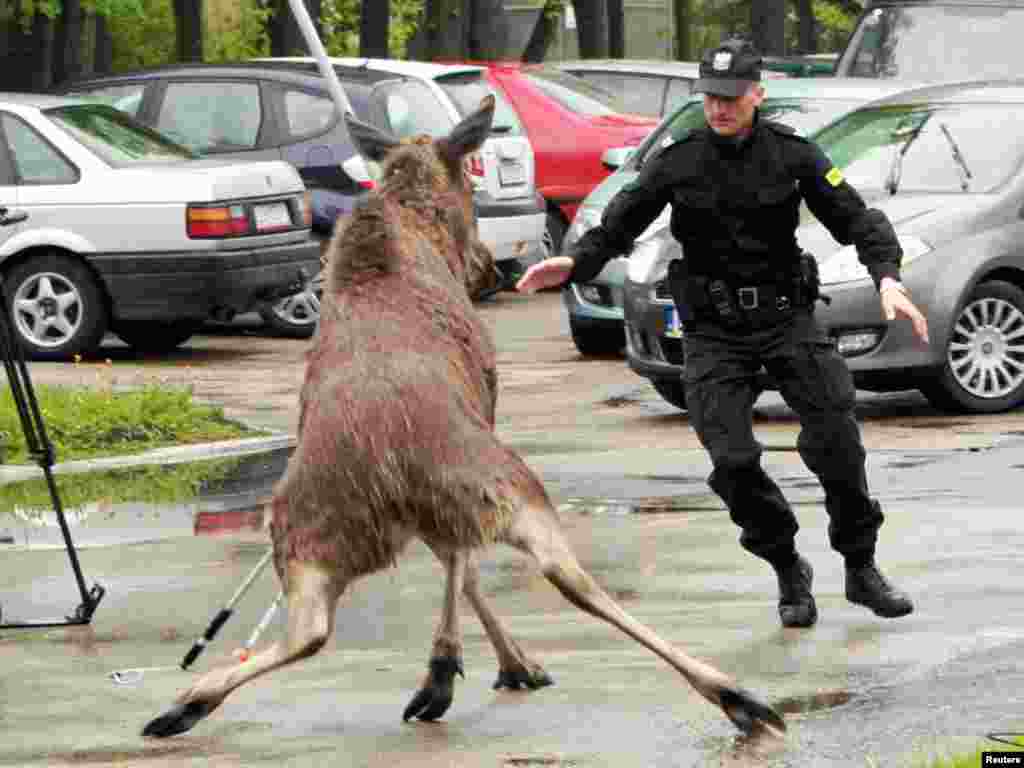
438, 689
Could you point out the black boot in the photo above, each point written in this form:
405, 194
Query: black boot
865, 585
796, 603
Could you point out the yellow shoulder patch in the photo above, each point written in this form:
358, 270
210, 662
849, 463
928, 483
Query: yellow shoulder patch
834, 177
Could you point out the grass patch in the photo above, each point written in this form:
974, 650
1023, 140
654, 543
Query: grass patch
971, 759
83, 422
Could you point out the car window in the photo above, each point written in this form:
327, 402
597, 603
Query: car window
948, 148
468, 90
127, 98
115, 137
670, 131
902, 41
307, 114
411, 108
638, 94
215, 116
36, 161
679, 90
573, 93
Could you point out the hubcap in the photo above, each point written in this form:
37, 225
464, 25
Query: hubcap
302, 308
47, 309
986, 350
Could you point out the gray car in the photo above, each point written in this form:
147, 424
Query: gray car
595, 308
946, 164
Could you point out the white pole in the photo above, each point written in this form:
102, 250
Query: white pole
316, 47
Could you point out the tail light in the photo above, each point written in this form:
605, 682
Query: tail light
306, 206
216, 221
475, 169
358, 170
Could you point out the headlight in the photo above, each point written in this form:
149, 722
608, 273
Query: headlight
649, 260
843, 266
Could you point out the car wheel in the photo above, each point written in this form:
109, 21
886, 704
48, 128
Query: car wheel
984, 368
673, 391
295, 316
596, 341
57, 307
156, 336
554, 234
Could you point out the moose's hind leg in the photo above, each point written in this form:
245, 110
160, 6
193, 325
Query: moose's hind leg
537, 532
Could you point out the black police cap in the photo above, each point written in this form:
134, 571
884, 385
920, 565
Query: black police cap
730, 69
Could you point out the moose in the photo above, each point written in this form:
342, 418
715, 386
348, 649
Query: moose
396, 440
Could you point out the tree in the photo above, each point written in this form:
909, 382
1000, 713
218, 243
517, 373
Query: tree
592, 28
768, 26
461, 29
188, 31
616, 29
374, 18
544, 31
682, 11
285, 36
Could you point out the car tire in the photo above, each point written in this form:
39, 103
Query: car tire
596, 342
672, 391
294, 316
983, 370
152, 337
554, 233
55, 283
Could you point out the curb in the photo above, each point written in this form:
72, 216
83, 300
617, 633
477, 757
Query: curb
176, 454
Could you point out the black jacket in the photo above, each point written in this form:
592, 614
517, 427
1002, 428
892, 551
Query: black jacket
735, 208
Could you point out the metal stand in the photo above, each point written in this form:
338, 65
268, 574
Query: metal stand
40, 448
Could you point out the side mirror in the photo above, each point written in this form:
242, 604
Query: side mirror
616, 157
7, 219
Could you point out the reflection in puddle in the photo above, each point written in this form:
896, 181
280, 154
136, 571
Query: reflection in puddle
814, 702
143, 503
649, 505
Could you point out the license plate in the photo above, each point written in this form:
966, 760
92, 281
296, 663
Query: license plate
270, 216
510, 174
673, 328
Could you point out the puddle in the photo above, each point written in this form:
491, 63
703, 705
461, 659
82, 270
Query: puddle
651, 505
814, 702
533, 761
142, 503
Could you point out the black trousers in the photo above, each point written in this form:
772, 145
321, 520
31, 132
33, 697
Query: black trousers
721, 368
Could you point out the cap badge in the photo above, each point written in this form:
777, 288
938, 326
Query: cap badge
722, 61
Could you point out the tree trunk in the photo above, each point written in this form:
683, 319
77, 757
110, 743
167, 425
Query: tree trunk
543, 35
768, 26
188, 29
374, 18
488, 30
682, 11
616, 29
592, 28
28, 55
808, 34
285, 36
103, 58
443, 33
67, 53
42, 42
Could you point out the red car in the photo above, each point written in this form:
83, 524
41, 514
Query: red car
570, 124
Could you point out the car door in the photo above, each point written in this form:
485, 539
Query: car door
8, 192
215, 117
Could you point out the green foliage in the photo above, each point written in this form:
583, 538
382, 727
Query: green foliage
835, 23
340, 20
145, 40
246, 39
83, 422
151, 484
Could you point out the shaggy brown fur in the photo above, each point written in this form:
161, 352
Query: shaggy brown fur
396, 441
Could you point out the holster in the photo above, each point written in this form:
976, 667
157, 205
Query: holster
807, 283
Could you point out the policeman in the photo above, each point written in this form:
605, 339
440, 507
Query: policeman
748, 293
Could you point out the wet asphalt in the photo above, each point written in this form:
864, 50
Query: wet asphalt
855, 689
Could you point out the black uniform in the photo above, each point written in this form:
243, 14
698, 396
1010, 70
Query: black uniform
746, 301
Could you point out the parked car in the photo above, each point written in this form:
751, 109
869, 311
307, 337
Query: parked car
570, 124
935, 40
652, 87
426, 97
112, 226
595, 308
946, 165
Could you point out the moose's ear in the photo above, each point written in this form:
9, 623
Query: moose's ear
469, 135
371, 142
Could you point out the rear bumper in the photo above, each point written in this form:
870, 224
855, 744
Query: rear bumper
203, 284
513, 229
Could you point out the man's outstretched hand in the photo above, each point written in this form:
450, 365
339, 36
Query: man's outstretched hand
896, 301
549, 273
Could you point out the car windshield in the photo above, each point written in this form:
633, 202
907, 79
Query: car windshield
573, 93
902, 41
468, 90
928, 148
116, 137
804, 114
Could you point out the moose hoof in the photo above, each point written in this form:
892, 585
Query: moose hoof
177, 719
522, 677
434, 698
748, 713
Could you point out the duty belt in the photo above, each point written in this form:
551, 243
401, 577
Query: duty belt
748, 306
